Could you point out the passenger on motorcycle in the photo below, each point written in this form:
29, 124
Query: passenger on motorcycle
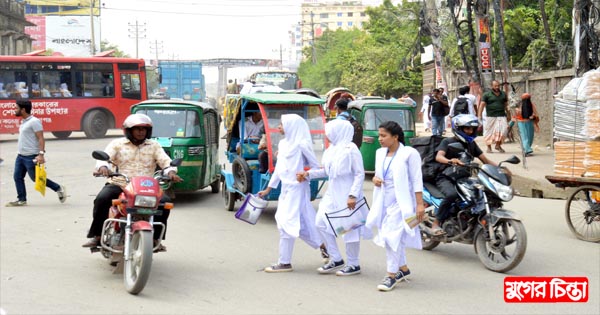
464, 128
134, 155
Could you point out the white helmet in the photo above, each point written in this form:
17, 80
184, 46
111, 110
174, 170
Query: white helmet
137, 120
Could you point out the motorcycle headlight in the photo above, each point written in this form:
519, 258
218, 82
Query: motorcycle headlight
145, 201
505, 193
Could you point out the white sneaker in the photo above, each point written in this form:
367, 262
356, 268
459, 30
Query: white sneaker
62, 194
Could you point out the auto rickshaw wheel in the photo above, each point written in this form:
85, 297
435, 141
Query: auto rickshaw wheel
214, 187
242, 175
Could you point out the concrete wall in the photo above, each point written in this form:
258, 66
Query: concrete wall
542, 87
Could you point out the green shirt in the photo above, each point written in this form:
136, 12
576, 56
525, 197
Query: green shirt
494, 104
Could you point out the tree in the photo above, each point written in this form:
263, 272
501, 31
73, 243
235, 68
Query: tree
106, 46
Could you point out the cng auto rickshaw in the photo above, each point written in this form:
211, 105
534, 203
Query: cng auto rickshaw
371, 113
331, 97
187, 130
243, 175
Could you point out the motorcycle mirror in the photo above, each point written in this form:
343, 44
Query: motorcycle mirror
456, 147
176, 162
100, 155
513, 160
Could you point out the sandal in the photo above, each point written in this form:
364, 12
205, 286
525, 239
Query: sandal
499, 149
160, 248
489, 151
437, 231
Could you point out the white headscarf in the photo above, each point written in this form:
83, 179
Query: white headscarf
337, 159
296, 134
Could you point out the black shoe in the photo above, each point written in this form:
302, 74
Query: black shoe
387, 284
402, 275
331, 266
348, 271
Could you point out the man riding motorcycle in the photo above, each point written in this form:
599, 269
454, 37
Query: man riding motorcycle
464, 128
134, 155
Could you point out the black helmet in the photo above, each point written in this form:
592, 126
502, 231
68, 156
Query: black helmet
137, 120
465, 120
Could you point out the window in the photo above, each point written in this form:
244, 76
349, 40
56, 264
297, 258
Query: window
13, 80
339, 24
350, 24
340, 14
130, 86
350, 14
363, 14
324, 15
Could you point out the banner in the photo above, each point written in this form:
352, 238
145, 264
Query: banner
485, 45
38, 32
68, 35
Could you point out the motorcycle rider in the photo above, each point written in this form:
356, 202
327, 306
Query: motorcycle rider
134, 155
464, 128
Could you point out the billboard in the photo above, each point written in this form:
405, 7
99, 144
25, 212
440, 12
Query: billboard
69, 35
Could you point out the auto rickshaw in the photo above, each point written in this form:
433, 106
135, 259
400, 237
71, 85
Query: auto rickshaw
244, 176
331, 97
371, 113
188, 130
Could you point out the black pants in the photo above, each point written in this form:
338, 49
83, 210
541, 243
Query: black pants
102, 204
263, 162
448, 188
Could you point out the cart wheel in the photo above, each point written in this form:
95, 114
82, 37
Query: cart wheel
242, 175
228, 197
582, 213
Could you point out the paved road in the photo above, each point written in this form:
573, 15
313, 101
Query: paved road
214, 262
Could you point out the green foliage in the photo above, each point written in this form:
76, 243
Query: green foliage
105, 46
382, 59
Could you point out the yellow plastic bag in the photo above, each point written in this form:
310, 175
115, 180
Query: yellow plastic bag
40, 178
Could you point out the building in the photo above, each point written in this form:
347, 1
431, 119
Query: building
13, 39
317, 17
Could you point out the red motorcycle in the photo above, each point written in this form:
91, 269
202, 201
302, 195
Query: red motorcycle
127, 233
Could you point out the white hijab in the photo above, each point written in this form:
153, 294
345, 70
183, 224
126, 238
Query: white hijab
337, 159
296, 134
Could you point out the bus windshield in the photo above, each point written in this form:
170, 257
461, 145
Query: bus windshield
283, 79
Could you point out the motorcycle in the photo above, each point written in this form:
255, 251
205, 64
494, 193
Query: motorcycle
477, 216
127, 233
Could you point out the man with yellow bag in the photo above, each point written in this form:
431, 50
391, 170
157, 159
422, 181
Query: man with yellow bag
30, 151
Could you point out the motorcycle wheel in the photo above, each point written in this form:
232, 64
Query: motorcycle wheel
582, 212
137, 267
507, 251
426, 240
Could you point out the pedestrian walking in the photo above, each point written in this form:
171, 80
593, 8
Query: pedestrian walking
343, 164
495, 103
526, 116
397, 195
424, 113
31, 148
295, 215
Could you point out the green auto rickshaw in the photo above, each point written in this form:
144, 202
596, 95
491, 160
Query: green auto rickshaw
371, 113
188, 130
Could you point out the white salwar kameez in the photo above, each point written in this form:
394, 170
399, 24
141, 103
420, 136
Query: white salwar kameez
395, 201
343, 164
295, 214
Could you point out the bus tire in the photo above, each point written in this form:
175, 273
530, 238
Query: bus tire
95, 124
61, 134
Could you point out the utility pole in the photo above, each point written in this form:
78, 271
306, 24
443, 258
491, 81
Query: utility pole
461, 47
485, 42
137, 33
473, 44
280, 50
156, 48
93, 43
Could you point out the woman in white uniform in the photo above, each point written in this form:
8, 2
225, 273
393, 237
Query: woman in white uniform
343, 164
397, 195
295, 214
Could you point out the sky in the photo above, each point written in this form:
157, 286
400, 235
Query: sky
202, 29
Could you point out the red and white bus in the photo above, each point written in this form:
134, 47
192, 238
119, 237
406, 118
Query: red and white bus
90, 94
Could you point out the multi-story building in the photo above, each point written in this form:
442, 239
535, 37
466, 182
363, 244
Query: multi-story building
13, 40
318, 17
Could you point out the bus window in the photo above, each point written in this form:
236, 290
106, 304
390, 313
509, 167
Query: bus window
130, 86
13, 79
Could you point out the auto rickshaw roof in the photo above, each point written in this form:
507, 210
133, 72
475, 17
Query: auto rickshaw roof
283, 98
175, 103
358, 104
